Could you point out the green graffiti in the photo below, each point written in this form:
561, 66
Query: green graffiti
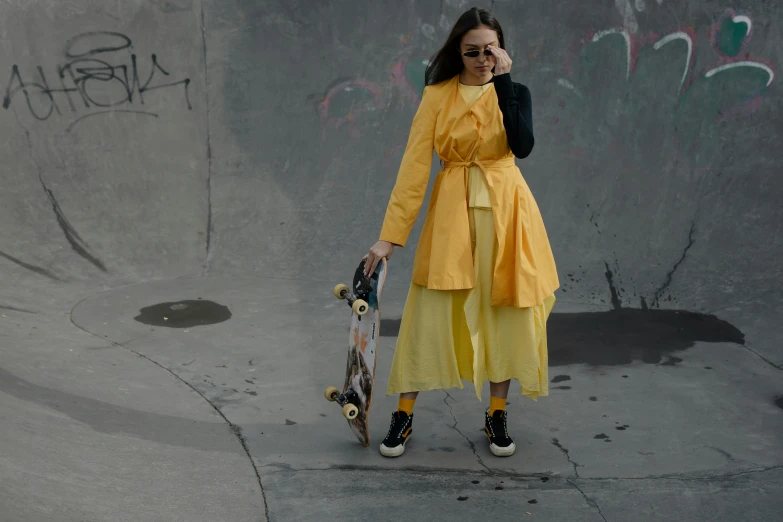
711, 97
345, 100
414, 73
660, 102
731, 36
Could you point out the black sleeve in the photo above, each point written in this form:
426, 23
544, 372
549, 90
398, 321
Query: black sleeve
516, 106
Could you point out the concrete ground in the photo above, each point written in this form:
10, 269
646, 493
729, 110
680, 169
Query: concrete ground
167, 324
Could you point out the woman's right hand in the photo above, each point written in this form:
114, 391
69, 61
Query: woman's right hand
377, 251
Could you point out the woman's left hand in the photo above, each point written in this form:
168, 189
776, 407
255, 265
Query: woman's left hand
502, 60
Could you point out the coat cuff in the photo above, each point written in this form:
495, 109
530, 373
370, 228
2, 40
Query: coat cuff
396, 239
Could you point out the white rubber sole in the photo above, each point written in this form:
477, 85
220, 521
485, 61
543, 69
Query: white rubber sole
394, 452
502, 452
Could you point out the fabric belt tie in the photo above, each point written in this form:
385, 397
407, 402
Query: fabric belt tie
483, 165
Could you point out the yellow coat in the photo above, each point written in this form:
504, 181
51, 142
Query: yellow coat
524, 273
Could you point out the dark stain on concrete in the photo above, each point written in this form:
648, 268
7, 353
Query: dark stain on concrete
613, 289
14, 309
184, 314
35, 269
561, 378
623, 336
77, 243
620, 337
174, 6
593, 399
779, 402
671, 361
601, 436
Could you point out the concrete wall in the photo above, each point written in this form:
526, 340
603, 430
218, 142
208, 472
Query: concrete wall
264, 138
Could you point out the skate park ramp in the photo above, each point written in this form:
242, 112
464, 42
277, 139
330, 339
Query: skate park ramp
184, 183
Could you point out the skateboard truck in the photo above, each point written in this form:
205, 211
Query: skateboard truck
362, 288
346, 400
358, 305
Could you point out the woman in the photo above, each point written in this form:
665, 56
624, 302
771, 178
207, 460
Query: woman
484, 275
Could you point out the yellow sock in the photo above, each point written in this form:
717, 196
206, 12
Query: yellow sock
406, 405
496, 403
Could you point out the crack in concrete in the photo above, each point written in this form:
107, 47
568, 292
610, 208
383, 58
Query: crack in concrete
287, 468
237, 430
692, 477
71, 235
726, 476
568, 456
523, 476
757, 354
725, 454
470, 442
668, 281
209, 147
589, 500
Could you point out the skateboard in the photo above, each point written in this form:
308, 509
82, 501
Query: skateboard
356, 396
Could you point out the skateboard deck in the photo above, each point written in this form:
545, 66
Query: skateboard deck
356, 396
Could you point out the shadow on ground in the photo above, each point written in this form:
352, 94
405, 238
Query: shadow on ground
617, 337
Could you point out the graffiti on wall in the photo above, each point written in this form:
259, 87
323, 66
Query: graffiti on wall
98, 76
658, 114
615, 78
682, 82
729, 37
346, 100
639, 105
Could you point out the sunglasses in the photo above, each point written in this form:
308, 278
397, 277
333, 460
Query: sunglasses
475, 52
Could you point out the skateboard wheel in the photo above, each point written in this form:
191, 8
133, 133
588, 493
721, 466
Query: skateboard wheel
350, 411
360, 307
331, 393
341, 291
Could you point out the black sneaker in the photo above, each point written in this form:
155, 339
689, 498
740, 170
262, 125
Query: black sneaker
399, 433
500, 444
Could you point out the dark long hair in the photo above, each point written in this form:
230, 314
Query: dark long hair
447, 62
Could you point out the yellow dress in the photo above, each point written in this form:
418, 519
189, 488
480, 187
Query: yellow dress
450, 336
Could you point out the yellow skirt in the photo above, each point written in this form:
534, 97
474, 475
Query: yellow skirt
447, 337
